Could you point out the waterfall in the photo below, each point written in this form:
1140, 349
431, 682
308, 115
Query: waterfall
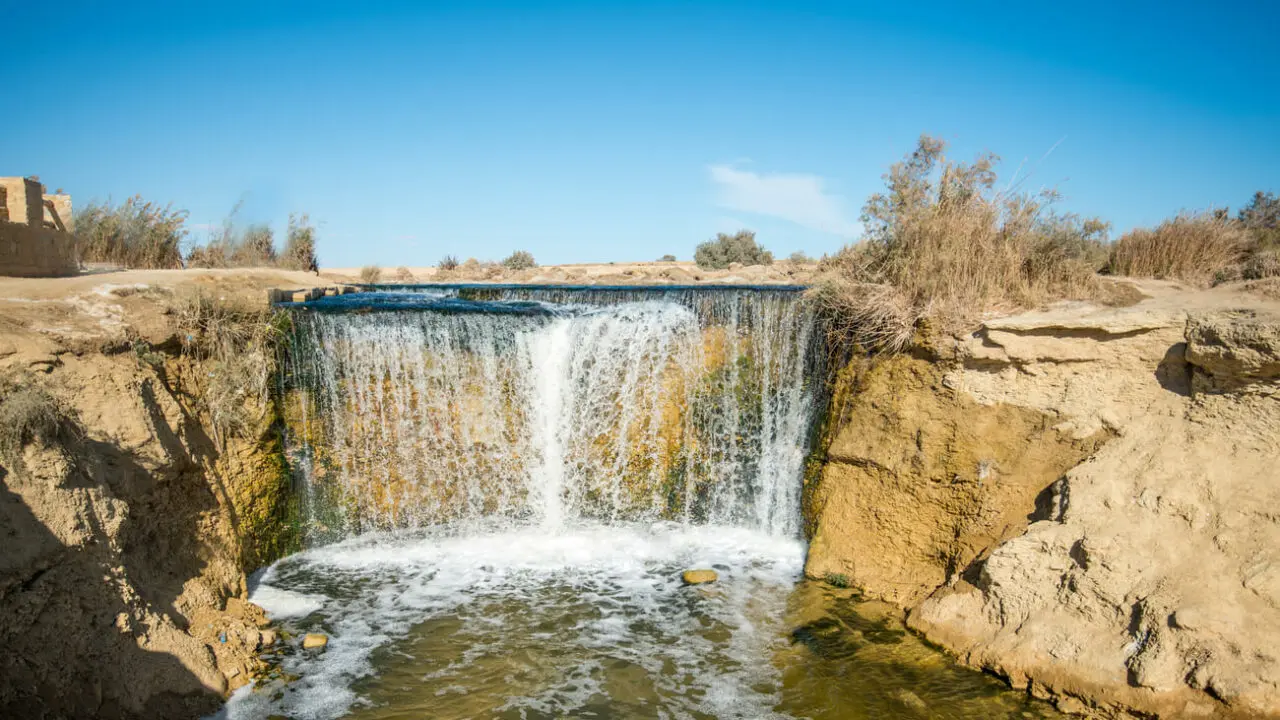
549, 406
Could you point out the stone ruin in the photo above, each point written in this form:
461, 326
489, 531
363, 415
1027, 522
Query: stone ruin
36, 230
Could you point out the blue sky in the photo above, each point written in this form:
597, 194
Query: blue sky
596, 132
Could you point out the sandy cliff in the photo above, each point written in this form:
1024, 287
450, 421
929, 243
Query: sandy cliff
1082, 500
126, 534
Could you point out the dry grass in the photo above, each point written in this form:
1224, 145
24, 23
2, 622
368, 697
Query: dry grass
136, 234
1190, 247
236, 342
942, 243
254, 246
29, 413
300, 245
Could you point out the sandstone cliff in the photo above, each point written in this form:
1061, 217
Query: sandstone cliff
1082, 500
127, 528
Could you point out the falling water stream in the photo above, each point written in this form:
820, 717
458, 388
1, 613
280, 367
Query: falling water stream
500, 487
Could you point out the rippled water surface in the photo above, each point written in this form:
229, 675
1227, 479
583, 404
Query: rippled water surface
595, 622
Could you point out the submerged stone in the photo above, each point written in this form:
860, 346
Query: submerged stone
314, 641
698, 577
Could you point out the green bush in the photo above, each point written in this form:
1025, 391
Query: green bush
740, 247
800, 258
519, 260
137, 234
667, 258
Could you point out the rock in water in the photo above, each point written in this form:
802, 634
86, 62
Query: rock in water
697, 577
314, 640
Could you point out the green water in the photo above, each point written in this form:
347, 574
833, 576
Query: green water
833, 657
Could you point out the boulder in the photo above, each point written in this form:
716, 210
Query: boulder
698, 577
314, 641
1233, 350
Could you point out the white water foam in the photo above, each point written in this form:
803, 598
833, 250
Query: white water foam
374, 590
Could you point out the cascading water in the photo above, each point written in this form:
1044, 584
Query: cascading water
686, 405
502, 485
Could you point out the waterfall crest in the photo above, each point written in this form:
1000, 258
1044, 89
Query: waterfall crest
544, 406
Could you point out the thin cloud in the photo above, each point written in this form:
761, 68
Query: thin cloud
798, 198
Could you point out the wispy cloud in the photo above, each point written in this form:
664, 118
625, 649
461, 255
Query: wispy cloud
799, 198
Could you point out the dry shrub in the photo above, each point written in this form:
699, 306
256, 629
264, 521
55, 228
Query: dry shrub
519, 260
724, 250
404, 276
235, 341
370, 274
230, 246
254, 246
1190, 247
877, 317
448, 263
29, 413
300, 245
137, 234
942, 243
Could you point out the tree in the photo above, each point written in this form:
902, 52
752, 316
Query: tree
740, 247
1261, 217
519, 260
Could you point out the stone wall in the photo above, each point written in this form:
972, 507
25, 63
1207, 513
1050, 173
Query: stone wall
35, 237
27, 251
58, 213
24, 199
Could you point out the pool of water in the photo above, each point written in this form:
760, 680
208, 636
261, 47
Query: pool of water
594, 621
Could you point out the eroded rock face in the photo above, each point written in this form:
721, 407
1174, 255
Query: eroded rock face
1154, 584
921, 480
124, 548
1234, 351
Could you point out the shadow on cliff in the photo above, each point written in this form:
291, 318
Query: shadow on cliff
76, 616
1174, 372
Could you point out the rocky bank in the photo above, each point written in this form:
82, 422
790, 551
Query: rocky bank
127, 532
1082, 500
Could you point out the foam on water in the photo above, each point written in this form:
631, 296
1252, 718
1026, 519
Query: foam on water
612, 594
